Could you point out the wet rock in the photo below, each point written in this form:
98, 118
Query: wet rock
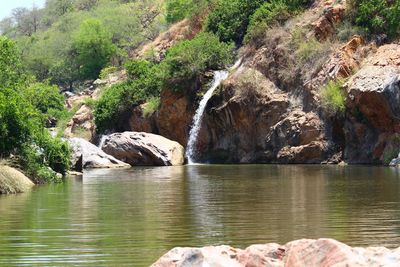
299, 253
144, 149
13, 181
85, 155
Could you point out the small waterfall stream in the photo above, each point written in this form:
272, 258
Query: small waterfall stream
219, 77
102, 141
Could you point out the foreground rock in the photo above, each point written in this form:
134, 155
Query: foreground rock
300, 253
13, 181
85, 155
144, 149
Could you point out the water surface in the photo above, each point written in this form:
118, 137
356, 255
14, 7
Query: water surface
131, 217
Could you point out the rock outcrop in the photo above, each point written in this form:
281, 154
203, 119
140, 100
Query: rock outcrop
300, 253
373, 105
82, 124
144, 149
251, 120
13, 181
85, 155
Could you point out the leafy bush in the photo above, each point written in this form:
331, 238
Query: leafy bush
186, 61
107, 71
230, 18
18, 121
45, 98
376, 16
114, 102
333, 96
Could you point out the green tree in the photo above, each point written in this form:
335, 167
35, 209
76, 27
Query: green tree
94, 48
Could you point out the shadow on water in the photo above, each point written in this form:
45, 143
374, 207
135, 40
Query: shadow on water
131, 217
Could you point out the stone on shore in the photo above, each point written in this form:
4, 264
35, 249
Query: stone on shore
144, 149
13, 181
85, 155
299, 253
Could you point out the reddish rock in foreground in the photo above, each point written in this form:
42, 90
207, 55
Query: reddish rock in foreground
300, 253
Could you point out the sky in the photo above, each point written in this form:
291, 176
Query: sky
7, 5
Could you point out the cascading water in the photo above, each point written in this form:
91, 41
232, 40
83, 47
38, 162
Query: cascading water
219, 77
102, 141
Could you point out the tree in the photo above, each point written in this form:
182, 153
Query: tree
11, 72
94, 48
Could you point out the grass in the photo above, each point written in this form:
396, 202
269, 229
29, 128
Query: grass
151, 106
333, 96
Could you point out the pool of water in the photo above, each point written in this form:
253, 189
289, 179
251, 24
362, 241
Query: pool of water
132, 217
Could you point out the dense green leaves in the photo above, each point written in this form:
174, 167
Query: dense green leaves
22, 113
377, 16
230, 18
94, 48
187, 60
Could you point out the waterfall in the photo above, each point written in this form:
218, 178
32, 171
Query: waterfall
102, 140
219, 77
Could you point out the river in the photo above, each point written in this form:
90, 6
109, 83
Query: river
132, 217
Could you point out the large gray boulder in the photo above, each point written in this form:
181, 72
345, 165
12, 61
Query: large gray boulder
85, 155
144, 149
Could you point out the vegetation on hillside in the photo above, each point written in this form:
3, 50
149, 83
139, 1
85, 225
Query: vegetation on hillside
24, 107
70, 41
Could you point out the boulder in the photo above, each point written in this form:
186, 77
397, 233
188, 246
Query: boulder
144, 149
374, 106
299, 253
85, 155
13, 181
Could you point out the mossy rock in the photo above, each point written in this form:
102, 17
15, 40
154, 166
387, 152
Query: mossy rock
13, 181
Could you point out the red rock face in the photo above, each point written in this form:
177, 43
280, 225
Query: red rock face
374, 106
174, 117
300, 253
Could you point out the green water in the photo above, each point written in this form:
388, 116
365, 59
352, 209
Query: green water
131, 217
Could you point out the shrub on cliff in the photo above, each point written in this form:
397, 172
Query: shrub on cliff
333, 96
230, 18
270, 14
143, 83
186, 61
376, 16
